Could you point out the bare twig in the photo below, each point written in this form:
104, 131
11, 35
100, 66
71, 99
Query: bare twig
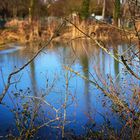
106, 50
96, 41
128, 68
114, 98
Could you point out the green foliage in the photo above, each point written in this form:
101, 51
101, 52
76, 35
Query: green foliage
85, 9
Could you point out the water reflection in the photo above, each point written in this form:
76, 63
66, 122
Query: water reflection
83, 56
116, 63
84, 61
33, 76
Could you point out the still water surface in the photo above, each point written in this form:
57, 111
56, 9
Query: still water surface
86, 107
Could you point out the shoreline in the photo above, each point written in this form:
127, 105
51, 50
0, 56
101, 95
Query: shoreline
24, 33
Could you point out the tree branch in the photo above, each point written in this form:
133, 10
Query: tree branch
28, 62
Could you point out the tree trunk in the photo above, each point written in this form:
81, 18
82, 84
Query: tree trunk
31, 11
15, 12
104, 9
31, 19
116, 12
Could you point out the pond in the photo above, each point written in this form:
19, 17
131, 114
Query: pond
48, 95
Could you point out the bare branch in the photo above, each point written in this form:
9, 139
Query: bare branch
27, 63
114, 98
128, 68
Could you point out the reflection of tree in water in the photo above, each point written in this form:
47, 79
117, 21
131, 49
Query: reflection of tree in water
116, 63
34, 86
85, 67
102, 65
84, 61
82, 51
33, 78
32, 66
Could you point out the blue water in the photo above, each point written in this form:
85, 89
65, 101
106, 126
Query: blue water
87, 105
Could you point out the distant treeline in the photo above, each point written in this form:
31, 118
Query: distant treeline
60, 8
21, 8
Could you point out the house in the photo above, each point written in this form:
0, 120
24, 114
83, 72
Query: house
100, 18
